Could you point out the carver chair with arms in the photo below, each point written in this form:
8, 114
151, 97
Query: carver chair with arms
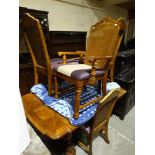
98, 125
102, 46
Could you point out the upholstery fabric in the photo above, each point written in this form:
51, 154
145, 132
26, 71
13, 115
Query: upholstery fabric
58, 105
84, 74
76, 71
88, 94
69, 68
111, 85
64, 105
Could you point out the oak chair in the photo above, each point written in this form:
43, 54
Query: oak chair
99, 58
99, 123
37, 46
35, 40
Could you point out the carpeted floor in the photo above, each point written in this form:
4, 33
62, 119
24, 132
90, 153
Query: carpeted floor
121, 136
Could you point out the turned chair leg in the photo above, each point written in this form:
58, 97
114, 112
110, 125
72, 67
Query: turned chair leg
55, 87
78, 90
49, 85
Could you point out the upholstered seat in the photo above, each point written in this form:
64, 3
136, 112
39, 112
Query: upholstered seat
77, 71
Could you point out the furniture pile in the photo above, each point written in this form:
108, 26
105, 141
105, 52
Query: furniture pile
46, 112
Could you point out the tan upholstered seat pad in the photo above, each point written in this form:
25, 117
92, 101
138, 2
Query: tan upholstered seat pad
68, 69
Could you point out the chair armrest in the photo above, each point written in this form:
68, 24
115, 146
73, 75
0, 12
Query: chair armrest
80, 53
93, 59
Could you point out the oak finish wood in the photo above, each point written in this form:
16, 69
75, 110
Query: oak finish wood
99, 123
102, 47
26, 70
47, 121
35, 40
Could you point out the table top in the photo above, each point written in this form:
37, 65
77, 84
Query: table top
45, 119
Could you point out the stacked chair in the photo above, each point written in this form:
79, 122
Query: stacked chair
102, 46
98, 125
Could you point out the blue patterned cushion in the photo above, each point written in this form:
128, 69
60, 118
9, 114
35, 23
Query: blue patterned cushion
58, 105
112, 85
64, 105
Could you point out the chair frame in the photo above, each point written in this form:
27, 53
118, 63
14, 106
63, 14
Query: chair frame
108, 67
99, 123
29, 22
79, 84
122, 26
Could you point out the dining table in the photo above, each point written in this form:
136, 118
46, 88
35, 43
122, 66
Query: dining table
48, 121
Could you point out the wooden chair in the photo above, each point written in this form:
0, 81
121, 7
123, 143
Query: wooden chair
98, 124
37, 46
35, 40
102, 46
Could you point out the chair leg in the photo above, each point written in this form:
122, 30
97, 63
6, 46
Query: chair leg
35, 76
55, 87
50, 85
104, 81
112, 74
78, 90
104, 134
89, 139
90, 148
70, 150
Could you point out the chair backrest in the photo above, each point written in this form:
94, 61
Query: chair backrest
104, 39
104, 111
36, 42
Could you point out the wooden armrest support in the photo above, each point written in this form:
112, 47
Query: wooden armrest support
94, 63
81, 53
